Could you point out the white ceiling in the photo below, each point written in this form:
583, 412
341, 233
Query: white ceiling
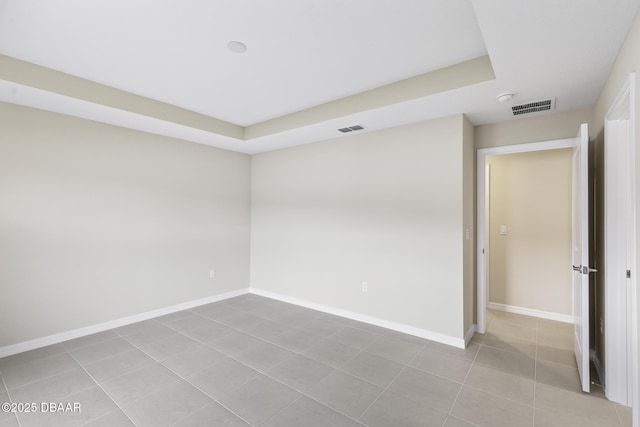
304, 53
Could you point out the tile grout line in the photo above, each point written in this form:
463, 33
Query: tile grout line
464, 381
101, 342
4, 384
108, 413
103, 390
335, 369
512, 352
264, 371
535, 357
404, 368
285, 407
473, 362
124, 337
385, 388
159, 361
68, 349
127, 373
205, 407
540, 330
185, 334
303, 393
188, 382
15, 415
46, 377
615, 408
296, 353
498, 396
80, 366
440, 375
233, 357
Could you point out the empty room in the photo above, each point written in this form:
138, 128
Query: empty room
319, 213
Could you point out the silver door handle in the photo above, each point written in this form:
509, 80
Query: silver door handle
585, 269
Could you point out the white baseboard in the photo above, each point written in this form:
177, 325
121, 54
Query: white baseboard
116, 323
422, 333
100, 327
469, 335
531, 312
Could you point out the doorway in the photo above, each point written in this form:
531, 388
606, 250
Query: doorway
529, 217
483, 181
581, 270
620, 327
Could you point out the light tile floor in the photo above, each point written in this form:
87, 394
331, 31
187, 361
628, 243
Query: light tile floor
260, 362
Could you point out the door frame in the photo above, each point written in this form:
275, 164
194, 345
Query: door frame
621, 339
482, 215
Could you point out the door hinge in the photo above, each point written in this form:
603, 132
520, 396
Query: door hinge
628, 274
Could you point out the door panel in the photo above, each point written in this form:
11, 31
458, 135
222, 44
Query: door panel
580, 237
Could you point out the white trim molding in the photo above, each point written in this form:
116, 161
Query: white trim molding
421, 333
565, 318
100, 327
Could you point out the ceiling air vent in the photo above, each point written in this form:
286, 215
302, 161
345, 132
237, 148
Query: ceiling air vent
351, 128
534, 107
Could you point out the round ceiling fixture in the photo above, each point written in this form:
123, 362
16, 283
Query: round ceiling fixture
237, 47
504, 97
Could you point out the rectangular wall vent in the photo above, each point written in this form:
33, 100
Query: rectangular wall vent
534, 107
351, 128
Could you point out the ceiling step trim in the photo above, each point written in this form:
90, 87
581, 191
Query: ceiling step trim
466, 73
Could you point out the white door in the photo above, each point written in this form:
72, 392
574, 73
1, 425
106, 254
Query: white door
581, 269
620, 254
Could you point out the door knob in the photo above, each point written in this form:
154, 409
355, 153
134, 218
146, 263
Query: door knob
585, 269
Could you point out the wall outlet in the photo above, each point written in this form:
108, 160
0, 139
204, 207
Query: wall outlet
212, 273
365, 286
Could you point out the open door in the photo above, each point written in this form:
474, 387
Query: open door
581, 270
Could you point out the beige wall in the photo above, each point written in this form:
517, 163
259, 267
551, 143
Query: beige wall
384, 207
99, 222
469, 219
530, 193
532, 129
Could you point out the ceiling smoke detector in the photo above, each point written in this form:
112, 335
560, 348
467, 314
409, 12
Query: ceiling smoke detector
504, 97
237, 47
